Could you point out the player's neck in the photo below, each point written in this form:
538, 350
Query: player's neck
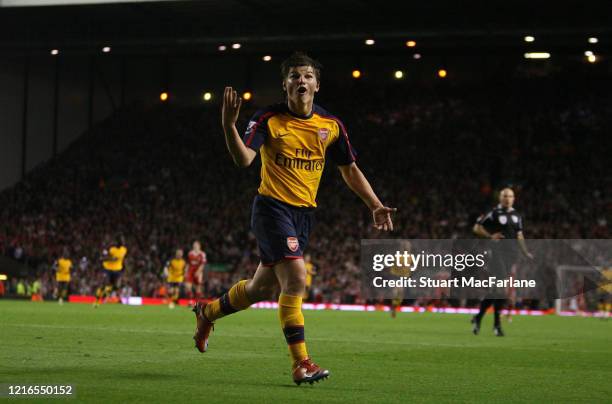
299, 108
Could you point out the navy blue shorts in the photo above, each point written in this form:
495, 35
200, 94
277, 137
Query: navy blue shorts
281, 229
112, 277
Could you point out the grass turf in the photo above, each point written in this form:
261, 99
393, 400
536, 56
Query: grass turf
145, 354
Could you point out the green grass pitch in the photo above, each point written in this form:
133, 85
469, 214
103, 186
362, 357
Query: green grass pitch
145, 354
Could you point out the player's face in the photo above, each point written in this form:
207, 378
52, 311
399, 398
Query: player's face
179, 254
196, 245
506, 198
301, 84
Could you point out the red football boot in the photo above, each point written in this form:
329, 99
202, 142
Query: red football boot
203, 327
306, 371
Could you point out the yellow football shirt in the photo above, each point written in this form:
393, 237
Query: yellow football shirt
176, 270
63, 270
402, 271
293, 151
119, 253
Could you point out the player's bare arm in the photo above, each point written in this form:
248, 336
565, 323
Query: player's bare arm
521, 240
200, 273
358, 183
241, 154
480, 231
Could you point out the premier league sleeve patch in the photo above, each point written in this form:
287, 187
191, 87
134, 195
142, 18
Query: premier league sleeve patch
250, 127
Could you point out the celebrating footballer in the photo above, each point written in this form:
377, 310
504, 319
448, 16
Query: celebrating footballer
294, 138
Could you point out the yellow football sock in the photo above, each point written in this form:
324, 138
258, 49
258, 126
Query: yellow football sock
292, 322
234, 300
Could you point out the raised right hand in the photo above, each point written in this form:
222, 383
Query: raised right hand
231, 107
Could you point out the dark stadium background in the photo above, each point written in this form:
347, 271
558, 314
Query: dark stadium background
87, 147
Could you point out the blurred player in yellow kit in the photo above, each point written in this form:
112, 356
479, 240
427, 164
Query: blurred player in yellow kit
310, 272
605, 302
175, 275
403, 271
112, 264
63, 265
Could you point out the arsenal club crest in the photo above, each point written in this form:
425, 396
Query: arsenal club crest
323, 134
293, 244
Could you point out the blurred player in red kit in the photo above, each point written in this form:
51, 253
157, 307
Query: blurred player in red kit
196, 260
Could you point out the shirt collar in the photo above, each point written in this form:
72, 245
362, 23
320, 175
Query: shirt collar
298, 115
499, 206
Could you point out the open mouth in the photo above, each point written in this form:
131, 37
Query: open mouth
302, 90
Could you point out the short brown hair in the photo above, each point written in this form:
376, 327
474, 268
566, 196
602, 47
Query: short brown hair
300, 59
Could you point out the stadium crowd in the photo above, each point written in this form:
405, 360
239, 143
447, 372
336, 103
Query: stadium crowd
160, 175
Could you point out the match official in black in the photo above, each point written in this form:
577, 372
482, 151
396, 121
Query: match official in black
502, 222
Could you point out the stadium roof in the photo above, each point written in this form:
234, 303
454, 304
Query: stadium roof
274, 25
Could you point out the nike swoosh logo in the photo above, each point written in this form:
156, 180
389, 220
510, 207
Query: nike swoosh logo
283, 134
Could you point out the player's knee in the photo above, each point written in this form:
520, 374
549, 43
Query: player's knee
295, 286
258, 291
